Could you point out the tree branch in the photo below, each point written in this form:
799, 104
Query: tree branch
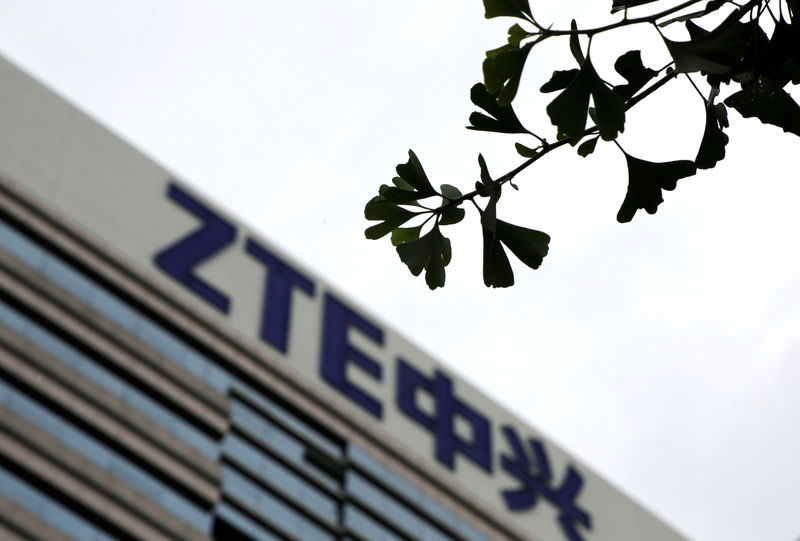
624, 22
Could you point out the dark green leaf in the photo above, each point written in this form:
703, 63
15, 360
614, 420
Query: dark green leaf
447, 251
695, 31
392, 215
496, 268
450, 192
529, 245
630, 66
575, 44
780, 61
524, 151
609, 108
434, 270
794, 8
405, 234
593, 115
716, 52
619, 5
714, 5
399, 195
502, 70
587, 147
645, 182
502, 119
506, 8
712, 147
431, 252
400, 183
379, 208
486, 178
482, 189
569, 109
721, 113
384, 228
768, 102
516, 34
416, 253
559, 80
452, 215
413, 174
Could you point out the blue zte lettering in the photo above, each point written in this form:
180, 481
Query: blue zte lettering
180, 259
442, 422
337, 352
277, 305
535, 479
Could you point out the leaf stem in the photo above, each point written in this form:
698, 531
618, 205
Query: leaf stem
697, 89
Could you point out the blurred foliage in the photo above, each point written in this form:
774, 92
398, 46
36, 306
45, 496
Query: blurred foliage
751, 55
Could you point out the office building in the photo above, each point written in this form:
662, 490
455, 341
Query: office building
166, 373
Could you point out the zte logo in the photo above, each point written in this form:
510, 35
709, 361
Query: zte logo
527, 464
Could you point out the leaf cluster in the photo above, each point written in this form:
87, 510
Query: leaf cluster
735, 55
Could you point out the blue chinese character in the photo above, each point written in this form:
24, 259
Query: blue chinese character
442, 422
535, 480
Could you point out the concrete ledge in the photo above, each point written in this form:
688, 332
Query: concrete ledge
85, 482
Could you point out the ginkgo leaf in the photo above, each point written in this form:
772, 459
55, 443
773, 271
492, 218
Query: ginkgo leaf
502, 119
529, 245
452, 215
487, 187
794, 7
716, 52
559, 80
631, 67
392, 216
410, 185
712, 147
405, 234
575, 43
516, 34
502, 70
780, 61
414, 175
645, 182
497, 270
507, 8
768, 102
397, 195
431, 252
568, 111
450, 192
588, 146
525, 152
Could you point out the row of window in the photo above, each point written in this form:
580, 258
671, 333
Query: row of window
405, 491
268, 478
49, 510
102, 455
128, 393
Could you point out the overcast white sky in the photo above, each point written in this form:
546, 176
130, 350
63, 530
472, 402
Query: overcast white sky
663, 352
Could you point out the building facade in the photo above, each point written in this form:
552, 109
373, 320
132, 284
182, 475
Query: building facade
166, 373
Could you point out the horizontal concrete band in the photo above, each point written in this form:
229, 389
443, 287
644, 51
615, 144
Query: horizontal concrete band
18, 524
85, 483
14, 362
